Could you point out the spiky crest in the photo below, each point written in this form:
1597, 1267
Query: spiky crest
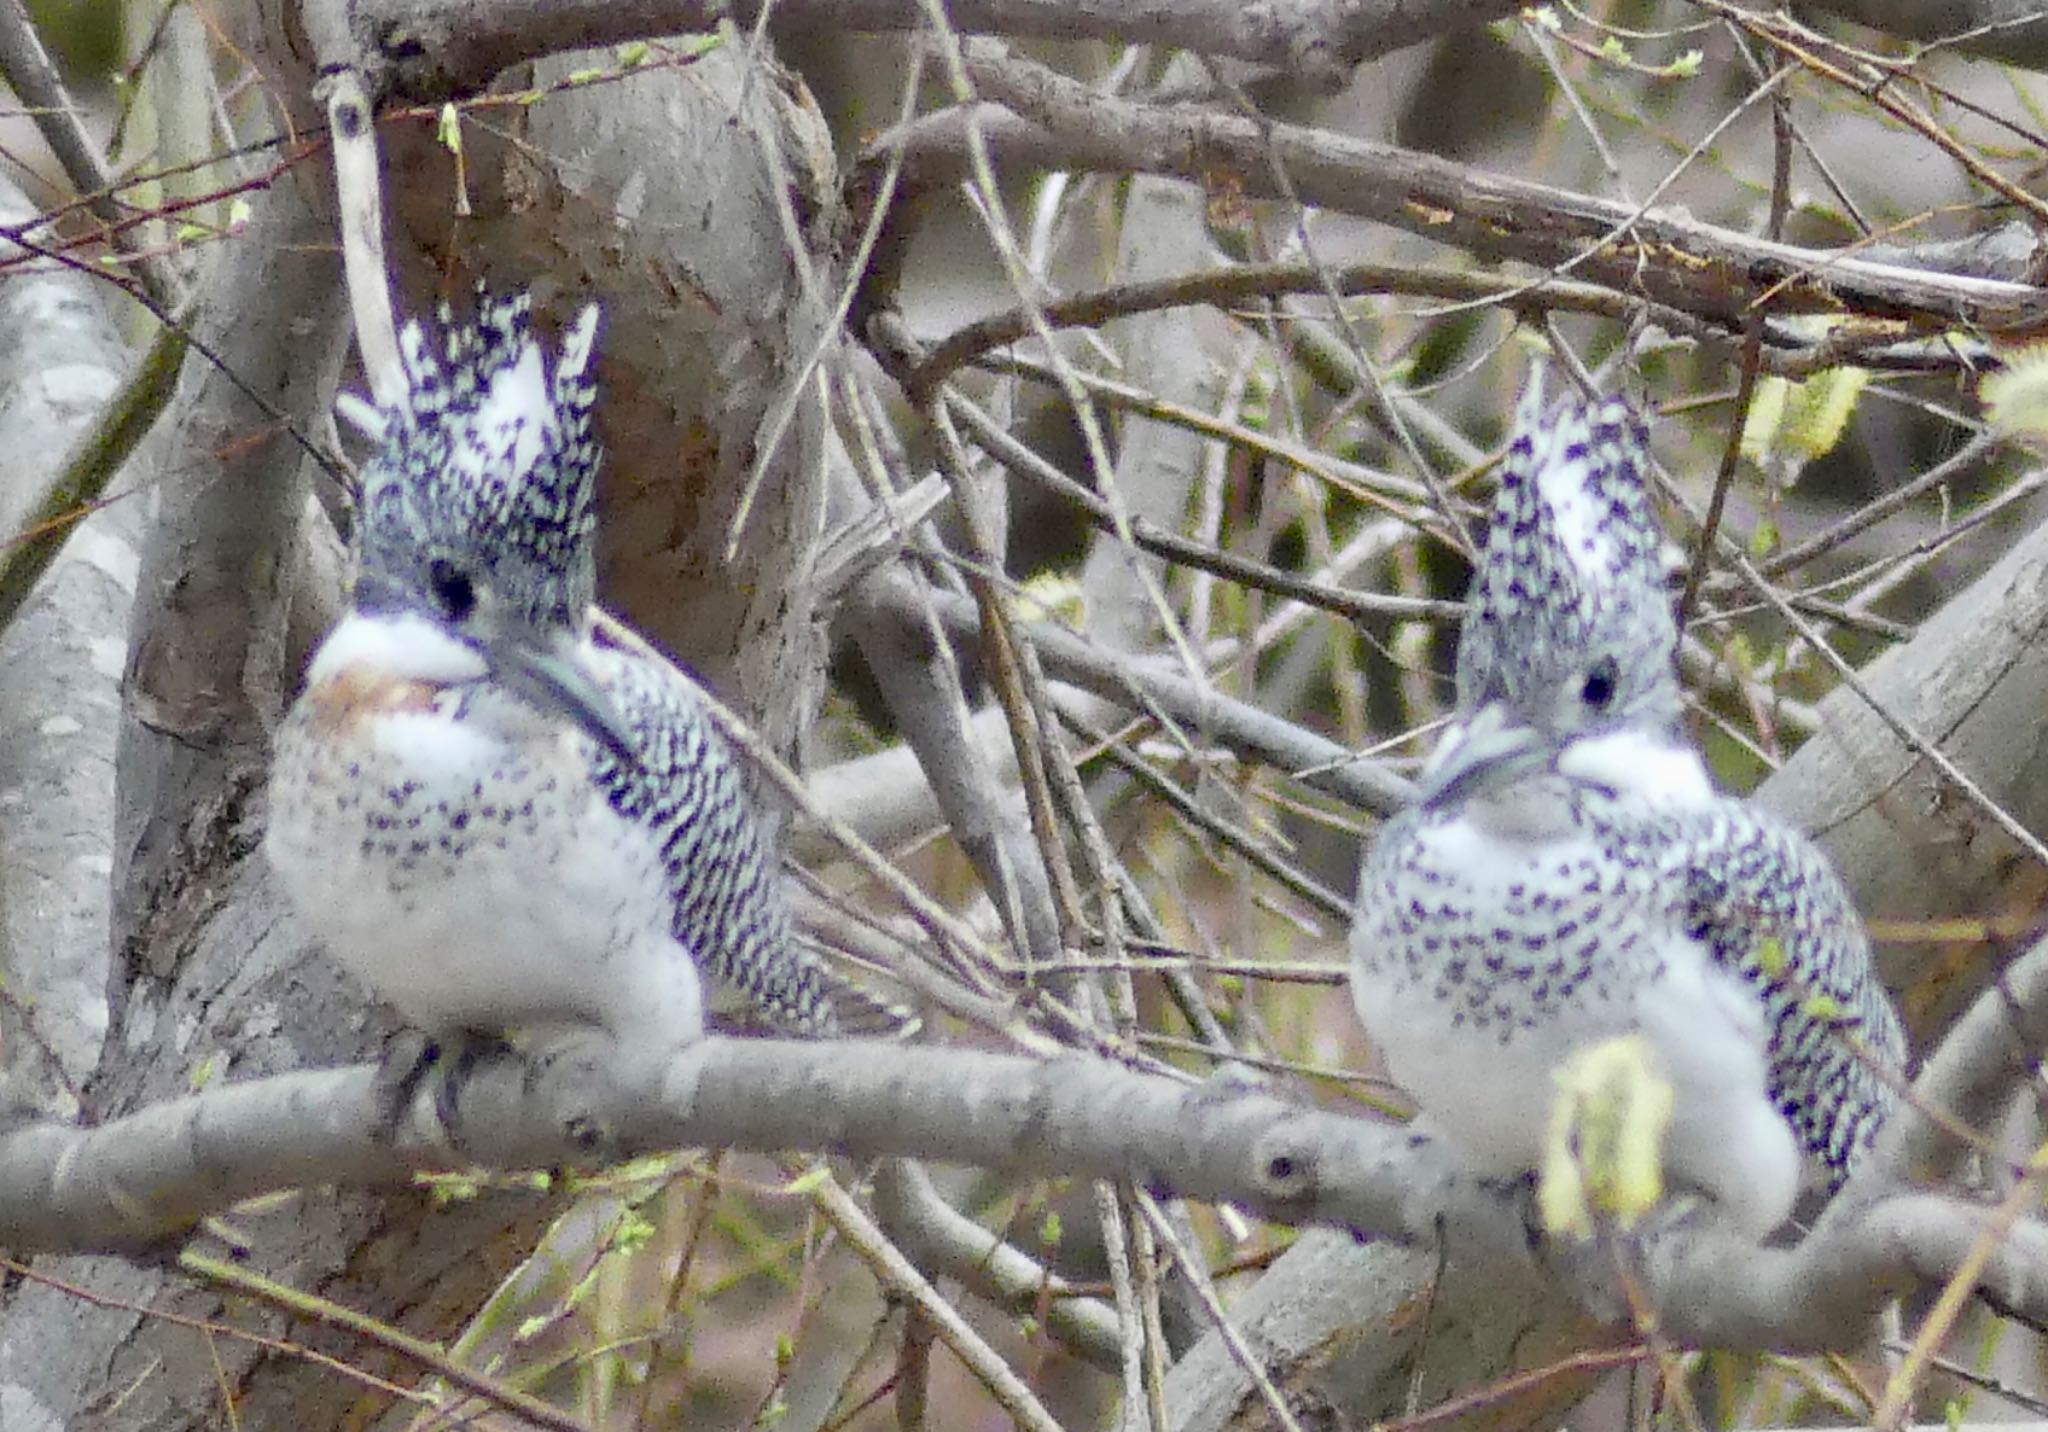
488, 459
1572, 567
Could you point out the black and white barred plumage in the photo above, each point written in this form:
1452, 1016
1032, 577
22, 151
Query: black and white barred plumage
728, 907
1571, 875
495, 818
1763, 899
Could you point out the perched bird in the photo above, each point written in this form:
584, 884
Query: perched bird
1569, 874
498, 820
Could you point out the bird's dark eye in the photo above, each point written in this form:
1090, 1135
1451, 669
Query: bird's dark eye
1601, 683
452, 590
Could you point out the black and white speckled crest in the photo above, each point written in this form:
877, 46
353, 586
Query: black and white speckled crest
489, 460
1573, 566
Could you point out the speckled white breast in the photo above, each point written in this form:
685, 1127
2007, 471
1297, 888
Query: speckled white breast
445, 844
1486, 952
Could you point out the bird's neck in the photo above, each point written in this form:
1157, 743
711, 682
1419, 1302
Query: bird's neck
403, 646
1649, 769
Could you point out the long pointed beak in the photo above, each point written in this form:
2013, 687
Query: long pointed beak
545, 670
1488, 750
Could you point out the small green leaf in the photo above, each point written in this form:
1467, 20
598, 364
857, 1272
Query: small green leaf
1740, 652
634, 52
449, 1188
1049, 1231
630, 1234
2015, 398
1766, 413
811, 1178
1826, 402
1791, 424
1604, 1154
1055, 594
448, 128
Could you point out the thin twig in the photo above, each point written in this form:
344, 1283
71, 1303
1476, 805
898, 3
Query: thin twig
900, 1277
312, 1308
33, 76
1353, 606
1240, 1351
99, 458
1910, 738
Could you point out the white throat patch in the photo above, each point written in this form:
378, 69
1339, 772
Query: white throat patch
404, 645
1641, 766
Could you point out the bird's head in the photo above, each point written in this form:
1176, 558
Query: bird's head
1567, 659
475, 529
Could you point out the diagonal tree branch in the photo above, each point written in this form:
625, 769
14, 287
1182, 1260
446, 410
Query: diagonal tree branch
1702, 269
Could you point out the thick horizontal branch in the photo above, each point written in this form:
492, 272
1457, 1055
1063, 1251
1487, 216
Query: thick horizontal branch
430, 48
138, 1179
1724, 1293
1787, 349
135, 1179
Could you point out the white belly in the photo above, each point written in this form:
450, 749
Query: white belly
1474, 1020
474, 878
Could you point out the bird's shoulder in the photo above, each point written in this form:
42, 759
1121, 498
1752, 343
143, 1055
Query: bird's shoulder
1765, 899
1739, 860
680, 761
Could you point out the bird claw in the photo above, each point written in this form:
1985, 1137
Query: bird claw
415, 1059
409, 1056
